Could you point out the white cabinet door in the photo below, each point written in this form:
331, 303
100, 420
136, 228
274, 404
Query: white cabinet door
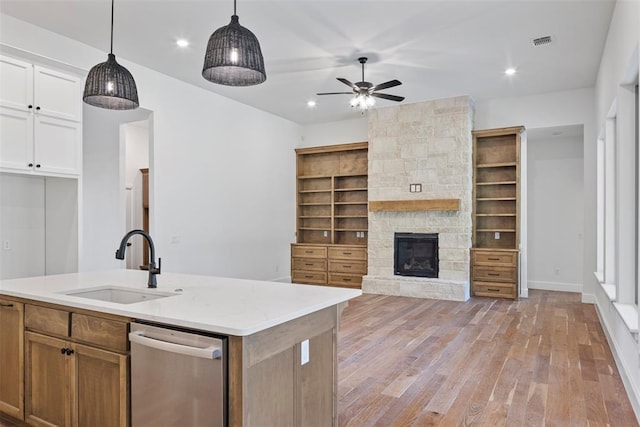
16, 139
57, 145
40, 115
16, 84
57, 94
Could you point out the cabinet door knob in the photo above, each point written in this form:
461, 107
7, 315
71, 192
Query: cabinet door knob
69, 351
37, 165
63, 350
30, 165
30, 106
38, 108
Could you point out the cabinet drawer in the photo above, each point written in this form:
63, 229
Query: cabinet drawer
497, 274
48, 320
353, 267
348, 253
505, 259
101, 332
312, 277
309, 251
487, 289
310, 264
345, 280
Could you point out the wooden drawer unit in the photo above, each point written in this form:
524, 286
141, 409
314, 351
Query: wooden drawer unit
309, 264
348, 252
507, 259
495, 274
304, 251
333, 265
105, 333
345, 280
310, 277
349, 267
488, 289
48, 320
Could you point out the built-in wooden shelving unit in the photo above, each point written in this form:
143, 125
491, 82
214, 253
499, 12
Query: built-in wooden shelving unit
496, 212
332, 215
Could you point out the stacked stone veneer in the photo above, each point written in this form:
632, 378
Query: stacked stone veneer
426, 143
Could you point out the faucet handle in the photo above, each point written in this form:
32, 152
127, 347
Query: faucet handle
156, 270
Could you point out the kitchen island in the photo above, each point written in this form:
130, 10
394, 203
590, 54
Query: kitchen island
281, 344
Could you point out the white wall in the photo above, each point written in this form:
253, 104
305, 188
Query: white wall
556, 211
331, 133
22, 225
222, 173
619, 58
136, 149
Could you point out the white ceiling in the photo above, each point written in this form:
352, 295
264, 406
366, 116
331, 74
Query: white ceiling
436, 48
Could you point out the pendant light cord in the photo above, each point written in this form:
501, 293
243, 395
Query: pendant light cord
111, 50
234, 7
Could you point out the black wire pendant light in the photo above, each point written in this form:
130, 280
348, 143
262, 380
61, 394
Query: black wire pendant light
233, 56
110, 85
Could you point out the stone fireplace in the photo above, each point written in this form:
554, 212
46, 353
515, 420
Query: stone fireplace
426, 143
415, 254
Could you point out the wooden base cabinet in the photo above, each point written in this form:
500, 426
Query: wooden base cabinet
11, 358
494, 273
334, 265
76, 369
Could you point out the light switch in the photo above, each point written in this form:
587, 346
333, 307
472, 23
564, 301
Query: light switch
304, 352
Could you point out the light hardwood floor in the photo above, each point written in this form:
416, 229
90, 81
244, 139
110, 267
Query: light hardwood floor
541, 361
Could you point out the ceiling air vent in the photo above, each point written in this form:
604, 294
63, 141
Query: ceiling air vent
542, 41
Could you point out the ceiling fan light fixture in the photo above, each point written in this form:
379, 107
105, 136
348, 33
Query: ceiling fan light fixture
110, 85
233, 56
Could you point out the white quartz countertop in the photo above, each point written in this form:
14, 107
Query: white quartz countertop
215, 304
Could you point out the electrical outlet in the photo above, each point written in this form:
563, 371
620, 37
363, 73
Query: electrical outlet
304, 352
557, 271
325, 233
6, 245
497, 235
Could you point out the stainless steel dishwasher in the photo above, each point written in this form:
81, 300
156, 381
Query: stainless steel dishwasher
178, 378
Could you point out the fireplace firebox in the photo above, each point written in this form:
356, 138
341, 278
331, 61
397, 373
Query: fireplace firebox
416, 254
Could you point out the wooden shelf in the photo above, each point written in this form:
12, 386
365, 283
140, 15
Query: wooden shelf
496, 214
351, 189
315, 228
496, 199
315, 216
313, 191
352, 216
497, 183
495, 165
314, 204
414, 205
493, 230
350, 203
351, 229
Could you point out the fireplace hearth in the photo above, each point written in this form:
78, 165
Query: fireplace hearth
416, 254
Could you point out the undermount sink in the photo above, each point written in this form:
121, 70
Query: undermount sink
120, 295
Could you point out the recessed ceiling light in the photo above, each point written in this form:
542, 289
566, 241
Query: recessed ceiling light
311, 104
182, 42
510, 71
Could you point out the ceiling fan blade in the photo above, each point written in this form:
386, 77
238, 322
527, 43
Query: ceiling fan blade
347, 82
387, 85
389, 97
335, 93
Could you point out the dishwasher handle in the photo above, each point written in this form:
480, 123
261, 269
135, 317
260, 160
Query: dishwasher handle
211, 352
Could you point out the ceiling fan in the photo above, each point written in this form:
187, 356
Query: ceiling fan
365, 91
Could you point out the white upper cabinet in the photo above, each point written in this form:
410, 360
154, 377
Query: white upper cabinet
40, 115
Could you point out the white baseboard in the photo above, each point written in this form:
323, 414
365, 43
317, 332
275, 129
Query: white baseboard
555, 286
282, 279
625, 374
588, 298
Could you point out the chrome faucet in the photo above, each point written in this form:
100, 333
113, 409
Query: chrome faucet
152, 283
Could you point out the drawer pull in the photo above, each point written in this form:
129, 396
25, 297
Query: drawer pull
346, 266
346, 253
6, 305
308, 264
493, 259
308, 252
346, 279
493, 274
493, 289
308, 276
